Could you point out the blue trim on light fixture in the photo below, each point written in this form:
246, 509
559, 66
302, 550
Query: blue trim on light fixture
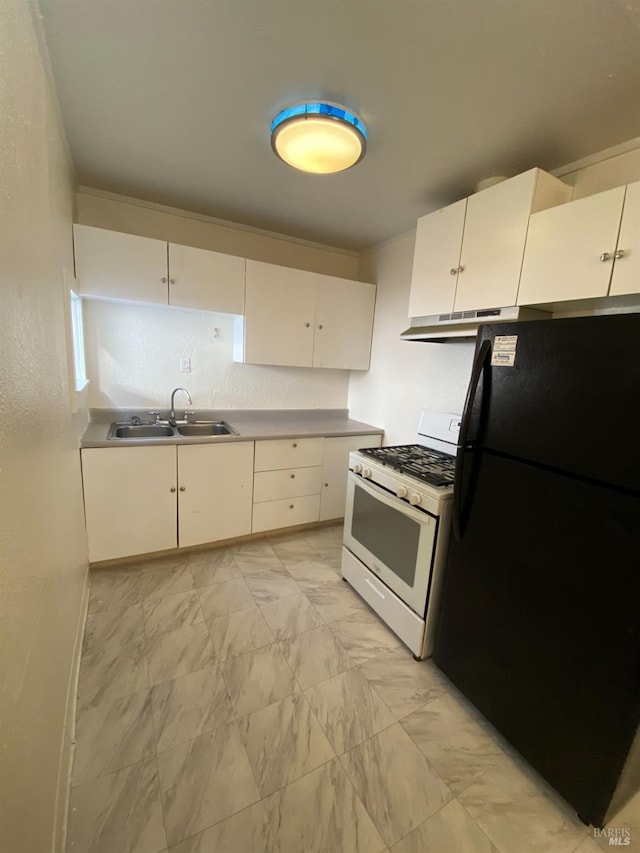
321, 108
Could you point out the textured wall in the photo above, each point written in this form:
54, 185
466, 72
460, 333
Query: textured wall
133, 357
405, 376
43, 555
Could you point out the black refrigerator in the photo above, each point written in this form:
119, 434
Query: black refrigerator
540, 618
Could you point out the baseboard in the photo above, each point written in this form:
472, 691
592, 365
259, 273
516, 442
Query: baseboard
59, 840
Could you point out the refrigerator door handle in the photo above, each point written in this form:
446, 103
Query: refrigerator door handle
476, 373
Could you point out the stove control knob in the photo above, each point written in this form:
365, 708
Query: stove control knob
357, 468
402, 491
415, 498
366, 472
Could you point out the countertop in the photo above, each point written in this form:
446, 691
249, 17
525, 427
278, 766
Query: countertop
250, 424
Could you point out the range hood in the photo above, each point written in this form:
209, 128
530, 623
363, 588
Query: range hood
462, 326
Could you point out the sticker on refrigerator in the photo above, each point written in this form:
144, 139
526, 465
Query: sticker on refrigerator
505, 343
504, 359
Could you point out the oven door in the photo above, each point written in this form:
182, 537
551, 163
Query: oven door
393, 539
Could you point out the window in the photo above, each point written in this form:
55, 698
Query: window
77, 335
76, 364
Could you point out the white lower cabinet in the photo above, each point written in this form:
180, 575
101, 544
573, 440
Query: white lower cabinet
214, 492
314, 490
130, 500
335, 468
139, 500
144, 499
286, 482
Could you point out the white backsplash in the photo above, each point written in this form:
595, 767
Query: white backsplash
133, 360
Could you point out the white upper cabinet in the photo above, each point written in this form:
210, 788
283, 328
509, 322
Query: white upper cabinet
112, 265
304, 319
583, 250
480, 249
280, 305
344, 323
209, 281
626, 271
436, 260
120, 266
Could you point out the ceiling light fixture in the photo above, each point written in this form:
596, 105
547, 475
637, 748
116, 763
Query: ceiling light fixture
318, 137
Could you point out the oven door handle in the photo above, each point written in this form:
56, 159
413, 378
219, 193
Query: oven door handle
458, 502
391, 500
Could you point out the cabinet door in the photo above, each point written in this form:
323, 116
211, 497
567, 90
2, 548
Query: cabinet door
206, 280
626, 270
120, 266
130, 500
344, 323
215, 491
493, 244
280, 307
564, 247
335, 470
436, 254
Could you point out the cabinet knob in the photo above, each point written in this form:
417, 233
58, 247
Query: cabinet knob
619, 253
460, 269
172, 281
164, 279
605, 256
453, 271
320, 326
182, 488
293, 476
172, 489
295, 444
326, 485
306, 325
290, 506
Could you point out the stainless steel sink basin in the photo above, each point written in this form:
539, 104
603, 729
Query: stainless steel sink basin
140, 431
213, 428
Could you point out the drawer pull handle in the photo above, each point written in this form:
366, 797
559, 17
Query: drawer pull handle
293, 476
290, 506
375, 589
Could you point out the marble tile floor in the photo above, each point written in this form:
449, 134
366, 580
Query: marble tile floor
243, 699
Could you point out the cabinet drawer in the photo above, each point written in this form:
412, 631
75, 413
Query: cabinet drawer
288, 453
271, 515
290, 483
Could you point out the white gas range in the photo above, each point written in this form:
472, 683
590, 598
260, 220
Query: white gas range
397, 522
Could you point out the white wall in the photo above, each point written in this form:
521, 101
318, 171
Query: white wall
133, 357
43, 554
405, 376
133, 352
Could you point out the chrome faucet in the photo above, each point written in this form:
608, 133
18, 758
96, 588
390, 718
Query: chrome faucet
172, 413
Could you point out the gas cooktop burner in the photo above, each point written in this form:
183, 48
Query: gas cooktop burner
432, 466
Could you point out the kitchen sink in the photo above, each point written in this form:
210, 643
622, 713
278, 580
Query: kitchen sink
140, 431
212, 428
166, 430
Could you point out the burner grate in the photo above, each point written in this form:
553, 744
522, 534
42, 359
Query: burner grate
432, 466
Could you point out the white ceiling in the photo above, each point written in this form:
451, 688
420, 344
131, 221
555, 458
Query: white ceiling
171, 100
